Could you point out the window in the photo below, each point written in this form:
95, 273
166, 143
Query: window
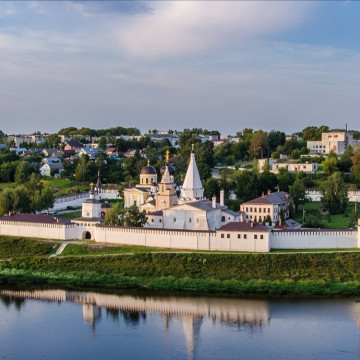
261, 237
247, 209
147, 180
222, 236
259, 210
160, 220
189, 220
228, 236
245, 236
254, 209
174, 219
239, 236
223, 218
152, 220
269, 210
255, 237
251, 209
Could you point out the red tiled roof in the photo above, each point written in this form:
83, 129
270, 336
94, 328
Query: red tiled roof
33, 218
243, 226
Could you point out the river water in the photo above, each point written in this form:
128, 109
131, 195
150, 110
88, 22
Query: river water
60, 324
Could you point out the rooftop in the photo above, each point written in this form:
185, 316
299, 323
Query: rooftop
243, 226
34, 218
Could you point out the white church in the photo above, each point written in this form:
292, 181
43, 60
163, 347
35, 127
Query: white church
188, 221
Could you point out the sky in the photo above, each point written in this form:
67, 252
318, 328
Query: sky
179, 64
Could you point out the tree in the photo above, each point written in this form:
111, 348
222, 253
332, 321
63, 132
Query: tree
275, 138
285, 179
298, 194
6, 201
22, 172
230, 160
246, 183
21, 199
82, 170
330, 165
355, 169
334, 193
130, 216
258, 145
211, 188
345, 162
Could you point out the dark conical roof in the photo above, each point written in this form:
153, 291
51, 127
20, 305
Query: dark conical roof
98, 184
148, 170
171, 169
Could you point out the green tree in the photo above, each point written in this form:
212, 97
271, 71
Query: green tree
246, 185
21, 199
82, 170
355, 169
275, 138
334, 193
330, 165
22, 172
258, 145
211, 188
298, 194
285, 179
130, 216
6, 201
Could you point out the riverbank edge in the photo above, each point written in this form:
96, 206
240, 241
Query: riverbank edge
242, 274
172, 284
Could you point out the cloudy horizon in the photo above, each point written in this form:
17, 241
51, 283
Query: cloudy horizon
174, 65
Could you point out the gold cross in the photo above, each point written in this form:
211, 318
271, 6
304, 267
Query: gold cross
167, 155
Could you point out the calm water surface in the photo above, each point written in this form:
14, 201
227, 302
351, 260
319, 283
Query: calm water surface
59, 324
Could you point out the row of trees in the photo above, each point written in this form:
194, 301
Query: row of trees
30, 197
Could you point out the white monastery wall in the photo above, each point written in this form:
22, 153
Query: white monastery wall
315, 195
76, 200
39, 230
314, 239
163, 238
231, 242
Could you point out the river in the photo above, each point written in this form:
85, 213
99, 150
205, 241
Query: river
60, 324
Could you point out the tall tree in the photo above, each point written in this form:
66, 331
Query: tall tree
258, 145
22, 172
298, 194
355, 169
334, 193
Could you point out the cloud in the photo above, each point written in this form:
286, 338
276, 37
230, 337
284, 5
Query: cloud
186, 27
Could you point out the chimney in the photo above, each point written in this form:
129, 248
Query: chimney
269, 192
262, 195
251, 224
222, 195
214, 202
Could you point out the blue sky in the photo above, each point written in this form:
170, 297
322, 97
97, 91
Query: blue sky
171, 65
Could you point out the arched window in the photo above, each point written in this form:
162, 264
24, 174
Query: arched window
223, 218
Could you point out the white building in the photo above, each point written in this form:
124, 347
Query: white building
275, 166
51, 165
337, 141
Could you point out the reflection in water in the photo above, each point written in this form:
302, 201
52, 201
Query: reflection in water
189, 310
208, 326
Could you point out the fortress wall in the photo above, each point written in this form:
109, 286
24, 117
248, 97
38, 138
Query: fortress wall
163, 238
314, 239
233, 243
38, 230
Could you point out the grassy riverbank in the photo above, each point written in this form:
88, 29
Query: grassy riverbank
274, 273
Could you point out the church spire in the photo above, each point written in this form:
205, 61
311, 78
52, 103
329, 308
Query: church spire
192, 188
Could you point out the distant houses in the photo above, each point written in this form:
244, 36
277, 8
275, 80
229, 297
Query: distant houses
51, 166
